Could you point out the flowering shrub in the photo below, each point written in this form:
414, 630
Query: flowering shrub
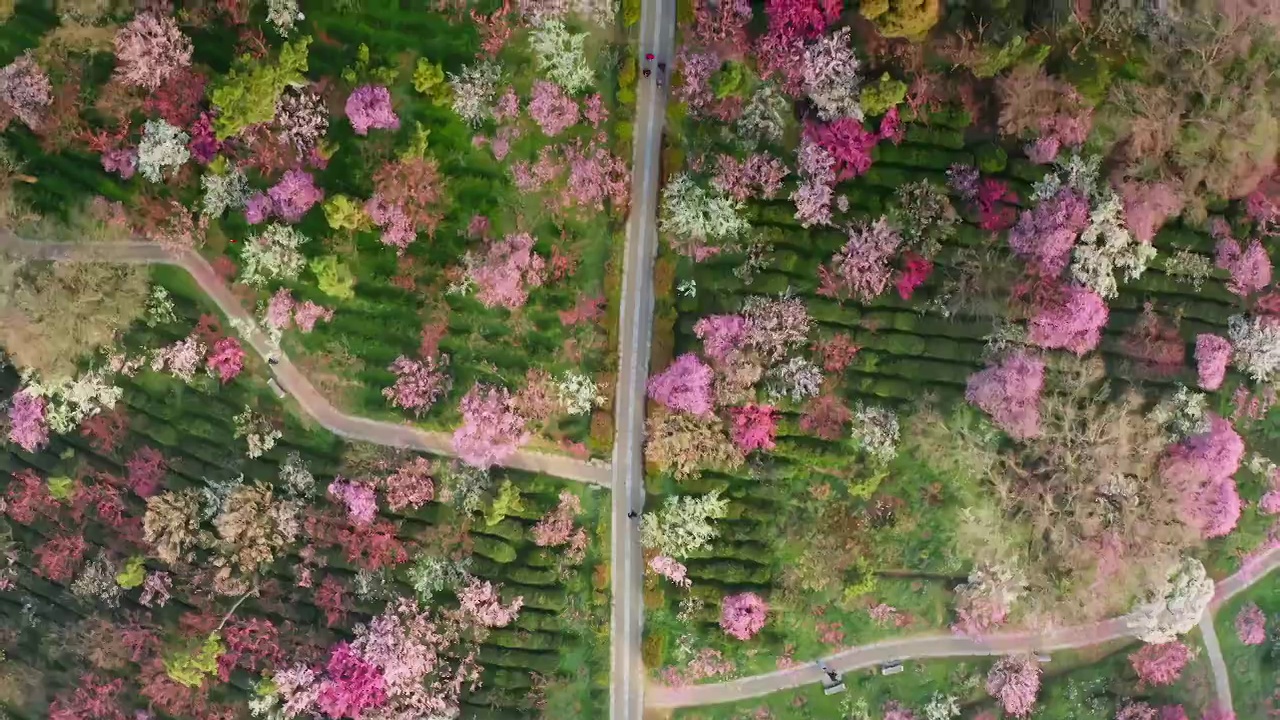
225, 359
685, 444
509, 268
307, 313
1251, 625
369, 108
1073, 320
1046, 233
27, 426
985, 601
480, 602
58, 559
862, 267
25, 91
419, 383
551, 108
673, 570
259, 434
684, 386
294, 195
876, 432
684, 525
1010, 393
1014, 682
301, 119
1212, 354
491, 430
150, 49
743, 615
1162, 663
1201, 469
754, 427
825, 417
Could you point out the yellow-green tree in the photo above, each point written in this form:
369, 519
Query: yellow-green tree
910, 19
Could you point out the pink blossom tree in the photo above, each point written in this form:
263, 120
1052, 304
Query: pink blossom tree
721, 335
307, 313
294, 195
556, 528
351, 685
1212, 355
863, 266
1073, 321
1250, 268
491, 429
760, 175
410, 486
551, 108
1200, 470
1010, 393
27, 425
480, 602
743, 615
1251, 625
671, 569
595, 175
1160, 664
685, 386
369, 108
806, 19
1014, 681
509, 268
25, 91
419, 383
826, 417
225, 360
150, 49
1148, 206
1046, 233
754, 427
279, 310
848, 141
145, 471
360, 500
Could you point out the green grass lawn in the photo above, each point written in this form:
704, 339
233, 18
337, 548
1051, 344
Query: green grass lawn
1254, 669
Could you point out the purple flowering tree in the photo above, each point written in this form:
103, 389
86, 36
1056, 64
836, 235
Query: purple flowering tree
743, 615
369, 108
685, 386
1010, 393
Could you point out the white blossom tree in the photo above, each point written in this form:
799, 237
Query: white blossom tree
1107, 248
578, 393
684, 524
831, 76
561, 56
223, 192
474, 90
272, 254
1176, 606
1256, 346
700, 214
163, 147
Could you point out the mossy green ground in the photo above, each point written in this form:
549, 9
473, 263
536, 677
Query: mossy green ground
1254, 669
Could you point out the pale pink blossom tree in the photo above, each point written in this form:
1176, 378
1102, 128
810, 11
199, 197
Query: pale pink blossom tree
760, 175
225, 359
685, 386
671, 569
1148, 206
479, 601
509, 268
360, 500
1201, 471
27, 425
754, 427
307, 313
1251, 625
1250, 268
279, 310
419, 383
1014, 681
721, 335
1212, 355
551, 108
1072, 321
863, 267
1046, 233
150, 49
410, 486
25, 91
556, 527
743, 615
595, 175
1160, 664
1010, 393
491, 429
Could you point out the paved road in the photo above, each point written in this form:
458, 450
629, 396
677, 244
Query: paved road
945, 646
635, 331
292, 380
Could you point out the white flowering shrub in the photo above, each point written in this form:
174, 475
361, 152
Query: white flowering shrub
257, 431
70, 402
764, 116
272, 254
577, 392
160, 309
295, 475
1182, 414
1175, 606
561, 56
1255, 343
223, 192
942, 707
1106, 248
163, 147
474, 91
684, 524
700, 213
283, 15
876, 432
797, 380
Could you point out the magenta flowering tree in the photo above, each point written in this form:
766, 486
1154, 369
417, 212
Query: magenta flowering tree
916, 269
721, 335
1010, 393
743, 615
1251, 625
1201, 471
509, 268
491, 429
804, 19
369, 108
1014, 681
360, 500
150, 49
27, 425
754, 427
1160, 664
551, 108
863, 267
294, 195
1250, 268
685, 386
25, 91
480, 602
351, 685
1073, 321
1046, 233
848, 141
1212, 355
225, 359
419, 383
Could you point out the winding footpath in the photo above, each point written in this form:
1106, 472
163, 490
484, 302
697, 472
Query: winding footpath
635, 332
951, 646
290, 379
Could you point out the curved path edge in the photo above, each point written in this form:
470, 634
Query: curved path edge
948, 646
289, 377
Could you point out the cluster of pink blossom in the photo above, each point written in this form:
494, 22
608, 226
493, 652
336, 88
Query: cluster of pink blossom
743, 615
722, 26
307, 313
180, 359
1262, 208
491, 429
397, 228
25, 91
760, 175
806, 19
684, 386
279, 312
122, 161
781, 58
369, 108
150, 49
863, 266
705, 664
696, 69
595, 174
257, 208
27, 425
894, 710
994, 201
1201, 470
1212, 355
351, 685
507, 107
671, 569
419, 383
1043, 150
916, 269
1251, 625
510, 267
1147, 206
1160, 664
225, 359
541, 173
552, 108
1138, 710
1250, 268
360, 500
410, 486
1010, 393
204, 144
1046, 233
848, 141
594, 111
813, 196
480, 602
556, 527
1014, 681
1072, 320
294, 195
754, 427
145, 471
721, 335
